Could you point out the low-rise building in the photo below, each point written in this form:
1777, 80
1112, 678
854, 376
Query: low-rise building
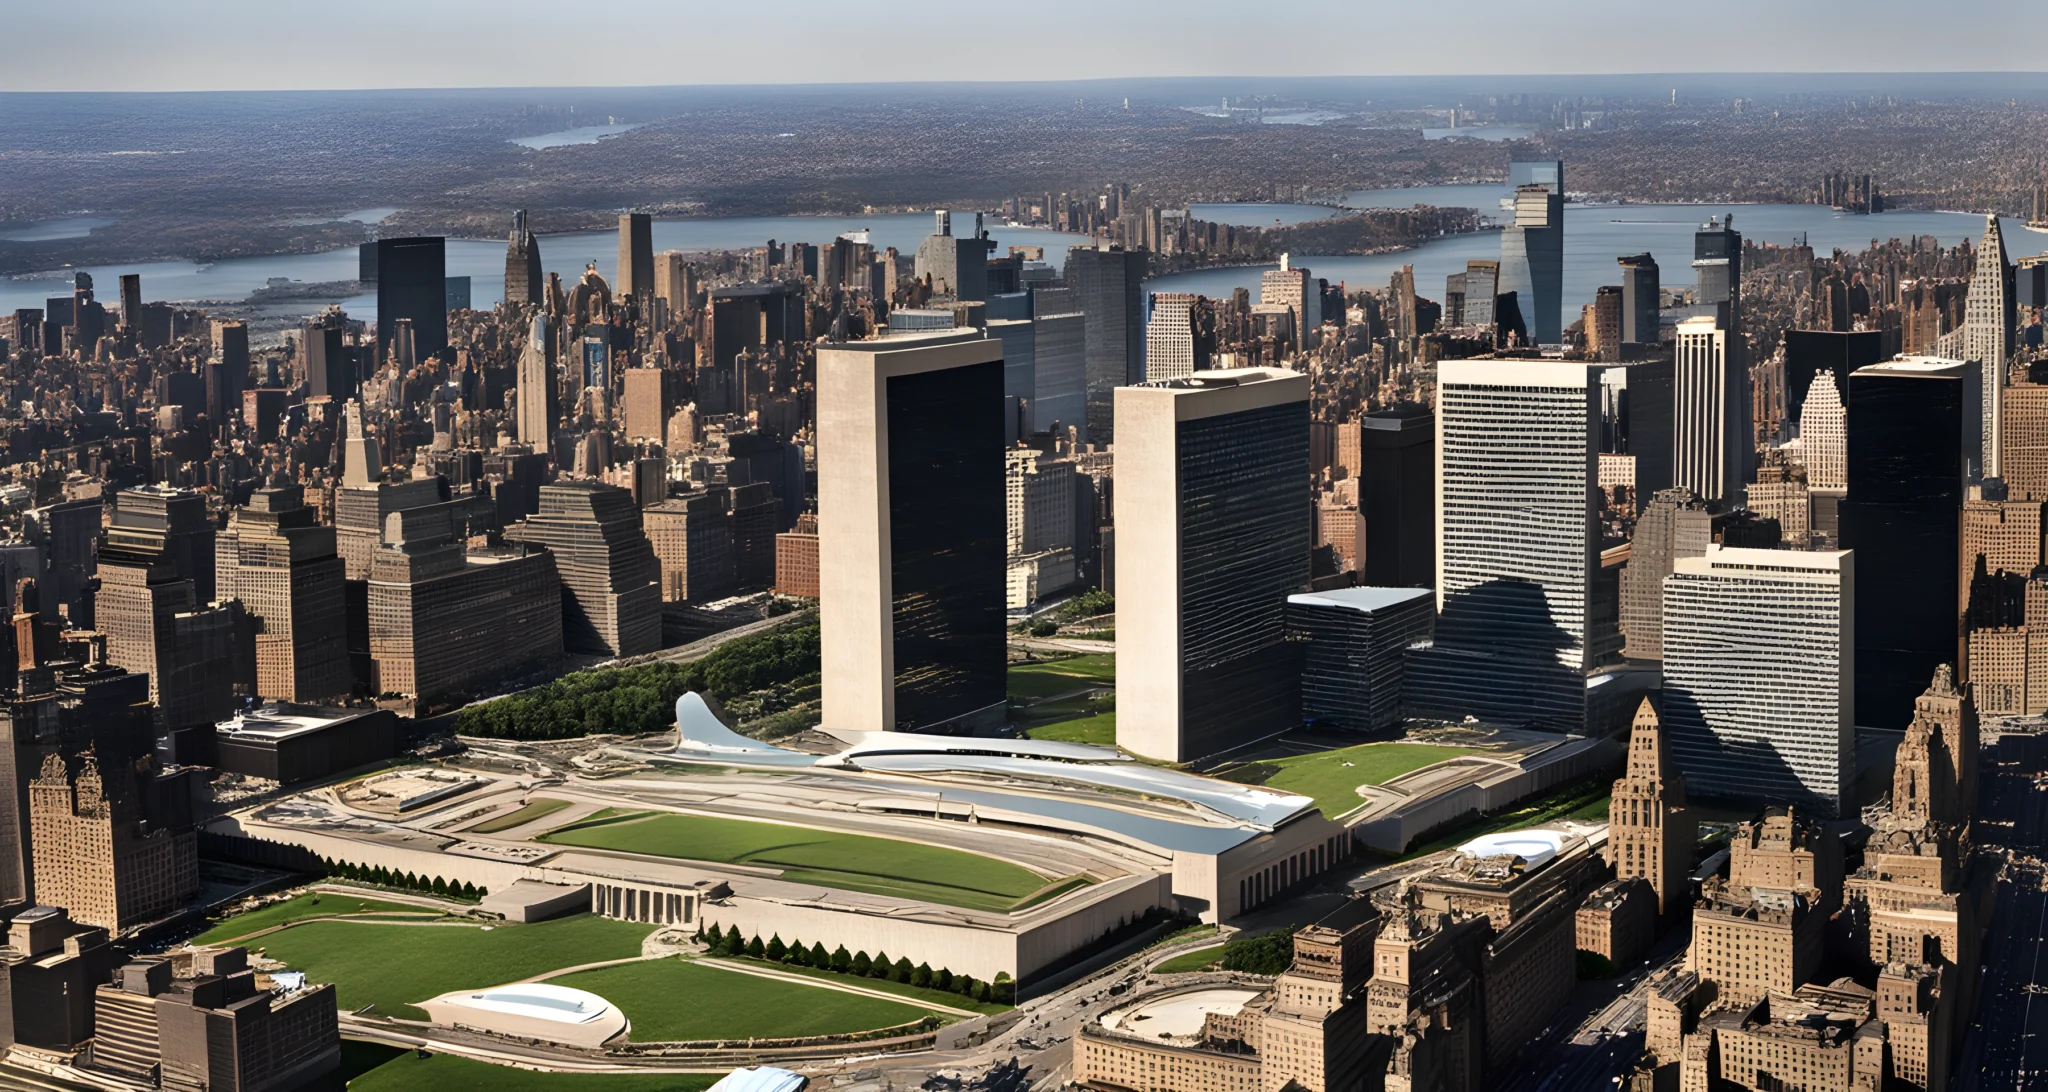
1618, 921
204, 1020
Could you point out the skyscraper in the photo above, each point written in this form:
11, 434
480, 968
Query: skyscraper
328, 362
1717, 264
1760, 675
1059, 361
1708, 412
1518, 548
156, 578
1911, 436
1987, 336
1649, 833
1108, 287
1532, 260
281, 563
1212, 499
611, 592
1396, 472
412, 283
1482, 285
912, 528
958, 267
1169, 335
636, 255
1673, 525
539, 396
1641, 299
524, 281
1823, 423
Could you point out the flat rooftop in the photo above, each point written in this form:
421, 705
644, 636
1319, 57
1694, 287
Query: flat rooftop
1362, 599
279, 722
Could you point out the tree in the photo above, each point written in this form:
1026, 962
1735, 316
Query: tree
754, 948
980, 991
734, 943
1002, 990
820, 957
842, 962
776, 950
862, 965
882, 966
1267, 954
901, 972
921, 975
799, 955
943, 980
440, 886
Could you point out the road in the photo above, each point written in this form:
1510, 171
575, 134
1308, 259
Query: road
1598, 1034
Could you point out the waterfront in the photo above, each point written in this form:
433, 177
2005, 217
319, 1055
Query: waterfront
1595, 235
582, 134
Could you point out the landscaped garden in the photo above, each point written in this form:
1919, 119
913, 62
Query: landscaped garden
1332, 778
675, 1000
313, 904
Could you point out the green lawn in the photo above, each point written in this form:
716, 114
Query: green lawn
534, 809
447, 1073
309, 905
1191, 961
1099, 729
1043, 680
393, 966
904, 990
854, 862
670, 1000
1325, 776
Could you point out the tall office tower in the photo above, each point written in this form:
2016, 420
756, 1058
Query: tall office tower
1780, 494
1353, 641
328, 362
1059, 361
1603, 325
1674, 525
1717, 265
636, 255
1912, 437
1988, 320
692, 538
1108, 287
228, 374
1020, 372
1292, 287
1396, 470
1760, 674
95, 857
1518, 552
756, 516
1532, 261
911, 523
611, 591
1823, 433
2023, 452
1708, 412
412, 283
524, 281
1170, 336
362, 460
1649, 832
1482, 287
647, 404
1641, 299
131, 300
958, 267
1454, 299
156, 577
1212, 495
1040, 495
281, 563
444, 621
539, 394
675, 280
1548, 173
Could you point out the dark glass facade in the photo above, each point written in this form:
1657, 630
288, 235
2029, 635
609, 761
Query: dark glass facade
1109, 287
412, 283
1397, 496
1808, 351
1245, 507
948, 550
1905, 440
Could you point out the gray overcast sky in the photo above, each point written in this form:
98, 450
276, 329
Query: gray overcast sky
146, 45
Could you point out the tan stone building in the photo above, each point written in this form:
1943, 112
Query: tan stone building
1649, 832
1618, 921
95, 858
204, 1020
283, 567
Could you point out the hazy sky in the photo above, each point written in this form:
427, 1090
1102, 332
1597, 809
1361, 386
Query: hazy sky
135, 45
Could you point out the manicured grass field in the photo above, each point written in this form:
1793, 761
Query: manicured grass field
393, 966
854, 862
313, 904
913, 994
670, 1000
1334, 785
534, 809
1044, 680
1191, 961
447, 1073
1099, 729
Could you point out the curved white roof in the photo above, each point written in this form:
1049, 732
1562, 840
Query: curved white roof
765, 1078
536, 1001
1536, 847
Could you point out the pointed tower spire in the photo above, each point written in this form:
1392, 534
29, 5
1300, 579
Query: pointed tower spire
1649, 833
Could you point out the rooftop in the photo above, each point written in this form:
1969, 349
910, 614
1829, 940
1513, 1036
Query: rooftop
282, 720
1362, 599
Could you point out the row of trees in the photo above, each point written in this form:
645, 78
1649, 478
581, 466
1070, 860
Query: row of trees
405, 881
857, 964
632, 700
